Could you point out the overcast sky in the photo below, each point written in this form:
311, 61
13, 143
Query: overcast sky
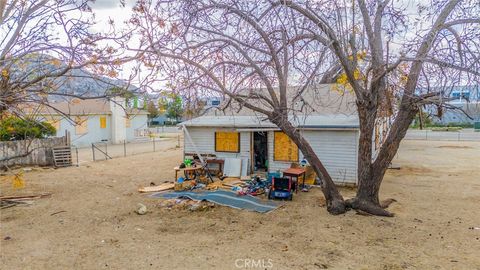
105, 9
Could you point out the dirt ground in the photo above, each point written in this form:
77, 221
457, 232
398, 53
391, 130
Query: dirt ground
437, 213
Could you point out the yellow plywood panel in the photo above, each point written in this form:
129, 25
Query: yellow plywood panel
103, 122
81, 126
227, 142
284, 148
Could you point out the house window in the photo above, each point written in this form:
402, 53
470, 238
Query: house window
284, 149
81, 125
103, 122
227, 142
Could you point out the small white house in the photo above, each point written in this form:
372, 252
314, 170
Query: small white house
94, 120
325, 115
334, 139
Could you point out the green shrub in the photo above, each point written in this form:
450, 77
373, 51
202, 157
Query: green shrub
14, 128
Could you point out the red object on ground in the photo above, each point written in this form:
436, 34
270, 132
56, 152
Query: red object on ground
295, 173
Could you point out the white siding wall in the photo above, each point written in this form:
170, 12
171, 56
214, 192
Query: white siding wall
94, 132
136, 122
336, 149
204, 140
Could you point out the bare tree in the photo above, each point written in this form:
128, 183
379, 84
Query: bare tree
385, 56
44, 44
440, 46
244, 51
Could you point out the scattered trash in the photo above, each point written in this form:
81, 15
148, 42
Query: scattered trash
7, 238
8, 203
52, 214
225, 198
141, 209
18, 181
162, 187
185, 185
321, 265
25, 197
418, 220
185, 203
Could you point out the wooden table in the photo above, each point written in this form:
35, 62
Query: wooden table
220, 163
295, 173
187, 169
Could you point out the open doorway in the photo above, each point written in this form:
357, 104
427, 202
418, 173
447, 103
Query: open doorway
260, 152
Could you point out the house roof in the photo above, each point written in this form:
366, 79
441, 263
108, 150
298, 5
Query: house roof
79, 107
326, 121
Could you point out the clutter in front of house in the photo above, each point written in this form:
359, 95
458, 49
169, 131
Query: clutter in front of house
224, 180
225, 198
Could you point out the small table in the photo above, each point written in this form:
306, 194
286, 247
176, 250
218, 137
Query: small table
219, 162
187, 169
295, 173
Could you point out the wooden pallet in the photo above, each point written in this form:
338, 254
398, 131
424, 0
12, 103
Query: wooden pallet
62, 156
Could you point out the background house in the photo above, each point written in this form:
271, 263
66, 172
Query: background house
94, 120
466, 98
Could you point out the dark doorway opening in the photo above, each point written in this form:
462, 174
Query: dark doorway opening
260, 151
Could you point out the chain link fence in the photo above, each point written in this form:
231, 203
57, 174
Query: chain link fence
429, 135
104, 151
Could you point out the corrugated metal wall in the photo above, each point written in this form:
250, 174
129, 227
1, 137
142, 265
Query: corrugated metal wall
336, 149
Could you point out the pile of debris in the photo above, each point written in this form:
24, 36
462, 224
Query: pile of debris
186, 204
14, 200
248, 186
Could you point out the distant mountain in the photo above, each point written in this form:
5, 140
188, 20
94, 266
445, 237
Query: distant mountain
78, 82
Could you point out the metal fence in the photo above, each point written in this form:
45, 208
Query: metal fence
104, 151
462, 135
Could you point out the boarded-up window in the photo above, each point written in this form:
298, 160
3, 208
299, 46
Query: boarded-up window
128, 123
284, 148
103, 122
227, 142
81, 126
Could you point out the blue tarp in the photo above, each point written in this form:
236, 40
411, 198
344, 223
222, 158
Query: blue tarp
225, 198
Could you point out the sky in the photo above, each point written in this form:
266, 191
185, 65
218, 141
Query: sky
106, 10
111, 9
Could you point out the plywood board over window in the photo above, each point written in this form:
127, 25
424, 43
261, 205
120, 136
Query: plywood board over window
284, 148
227, 141
128, 122
103, 122
81, 125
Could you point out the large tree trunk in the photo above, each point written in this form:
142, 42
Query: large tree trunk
371, 173
335, 202
367, 198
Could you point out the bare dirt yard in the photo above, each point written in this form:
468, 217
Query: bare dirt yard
435, 227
